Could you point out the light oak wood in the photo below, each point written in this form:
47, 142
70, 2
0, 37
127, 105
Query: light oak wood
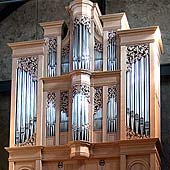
114, 149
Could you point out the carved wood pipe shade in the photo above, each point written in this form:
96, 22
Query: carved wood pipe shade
93, 94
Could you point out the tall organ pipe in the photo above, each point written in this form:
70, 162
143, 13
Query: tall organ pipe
81, 43
112, 114
112, 61
51, 114
52, 57
137, 89
26, 101
98, 56
80, 111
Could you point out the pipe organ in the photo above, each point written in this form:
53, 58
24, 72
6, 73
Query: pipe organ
87, 95
64, 103
98, 56
51, 114
81, 42
137, 89
26, 100
112, 60
65, 59
52, 57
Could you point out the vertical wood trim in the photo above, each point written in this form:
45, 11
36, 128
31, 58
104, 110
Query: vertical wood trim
58, 55
13, 102
57, 127
44, 118
38, 165
122, 162
39, 134
152, 161
104, 120
152, 91
11, 165
70, 116
105, 50
122, 113
92, 46
45, 59
92, 114
71, 44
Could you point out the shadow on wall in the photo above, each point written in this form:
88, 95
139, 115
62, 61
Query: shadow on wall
5, 98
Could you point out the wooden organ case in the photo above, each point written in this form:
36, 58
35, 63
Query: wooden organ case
88, 98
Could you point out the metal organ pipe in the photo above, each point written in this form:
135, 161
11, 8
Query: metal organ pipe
52, 57
98, 108
112, 61
80, 111
51, 114
98, 56
26, 101
112, 110
81, 43
65, 59
137, 89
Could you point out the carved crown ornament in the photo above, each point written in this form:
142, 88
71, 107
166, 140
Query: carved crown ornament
51, 98
83, 89
29, 64
98, 46
83, 20
130, 134
111, 37
136, 52
29, 142
112, 93
64, 101
51, 43
98, 99
66, 49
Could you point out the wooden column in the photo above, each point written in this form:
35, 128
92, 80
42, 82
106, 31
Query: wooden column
70, 116
13, 102
122, 100
123, 162
104, 122
92, 114
40, 113
44, 123
57, 127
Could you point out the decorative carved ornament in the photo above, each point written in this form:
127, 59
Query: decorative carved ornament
144, 164
66, 50
136, 52
112, 93
51, 97
111, 37
84, 89
64, 102
98, 46
29, 142
102, 163
51, 43
130, 134
83, 20
29, 64
60, 165
98, 98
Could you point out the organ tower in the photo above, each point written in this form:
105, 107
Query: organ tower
87, 96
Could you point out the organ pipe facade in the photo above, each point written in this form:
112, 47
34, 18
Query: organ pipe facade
87, 95
26, 101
